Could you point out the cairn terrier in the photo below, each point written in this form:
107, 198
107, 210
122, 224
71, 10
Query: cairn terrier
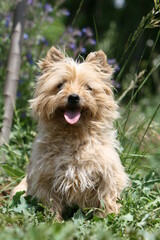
74, 158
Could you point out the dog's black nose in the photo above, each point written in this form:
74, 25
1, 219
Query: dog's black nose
73, 98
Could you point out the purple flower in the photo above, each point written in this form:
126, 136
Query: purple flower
111, 61
113, 82
84, 30
19, 94
25, 36
87, 31
70, 29
29, 2
116, 85
48, 8
29, 58
116, 68
43, 40
77, 33
65, 12
92, 41
72, 46
7, 20
83, 50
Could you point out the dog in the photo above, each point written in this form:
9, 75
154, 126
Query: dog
74, 158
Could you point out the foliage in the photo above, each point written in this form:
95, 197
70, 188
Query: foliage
139, 217
138, 128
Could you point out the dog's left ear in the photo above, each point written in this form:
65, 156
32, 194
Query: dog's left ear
100, 60
53, 55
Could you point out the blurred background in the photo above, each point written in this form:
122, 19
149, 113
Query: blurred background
81, 27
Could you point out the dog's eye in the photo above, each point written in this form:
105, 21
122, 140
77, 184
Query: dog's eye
59, 86
89, 88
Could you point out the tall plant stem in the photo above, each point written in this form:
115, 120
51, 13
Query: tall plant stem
13, 68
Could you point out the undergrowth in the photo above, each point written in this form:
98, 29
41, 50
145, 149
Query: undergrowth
139, 217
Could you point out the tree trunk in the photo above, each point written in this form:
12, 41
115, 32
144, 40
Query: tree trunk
13, 67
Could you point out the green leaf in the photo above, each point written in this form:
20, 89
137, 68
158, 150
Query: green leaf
128, 217
148, 176
79, 215
13, 172
17, 196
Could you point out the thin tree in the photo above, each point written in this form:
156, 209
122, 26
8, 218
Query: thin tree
13, 68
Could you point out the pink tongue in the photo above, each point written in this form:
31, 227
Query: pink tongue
72, 116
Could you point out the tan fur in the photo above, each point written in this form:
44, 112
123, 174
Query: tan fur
75, 164
22, 186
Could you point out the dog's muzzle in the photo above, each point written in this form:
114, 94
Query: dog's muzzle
72, 111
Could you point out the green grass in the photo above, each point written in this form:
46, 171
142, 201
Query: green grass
139, 217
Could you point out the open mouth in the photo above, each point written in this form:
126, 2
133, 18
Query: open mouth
72, 115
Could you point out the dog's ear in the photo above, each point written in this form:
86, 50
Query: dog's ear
53, 55
100, 60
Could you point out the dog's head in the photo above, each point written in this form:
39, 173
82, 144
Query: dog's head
74, 93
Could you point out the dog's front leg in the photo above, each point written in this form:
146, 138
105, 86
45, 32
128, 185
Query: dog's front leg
108, 195
57, 207
107, 205
48, 198
111, 206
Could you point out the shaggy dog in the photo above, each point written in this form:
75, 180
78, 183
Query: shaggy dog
74, 158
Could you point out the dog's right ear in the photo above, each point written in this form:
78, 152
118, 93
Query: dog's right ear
53, 55
100, 60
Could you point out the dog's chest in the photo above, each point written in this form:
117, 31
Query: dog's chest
74, 178
75, 169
